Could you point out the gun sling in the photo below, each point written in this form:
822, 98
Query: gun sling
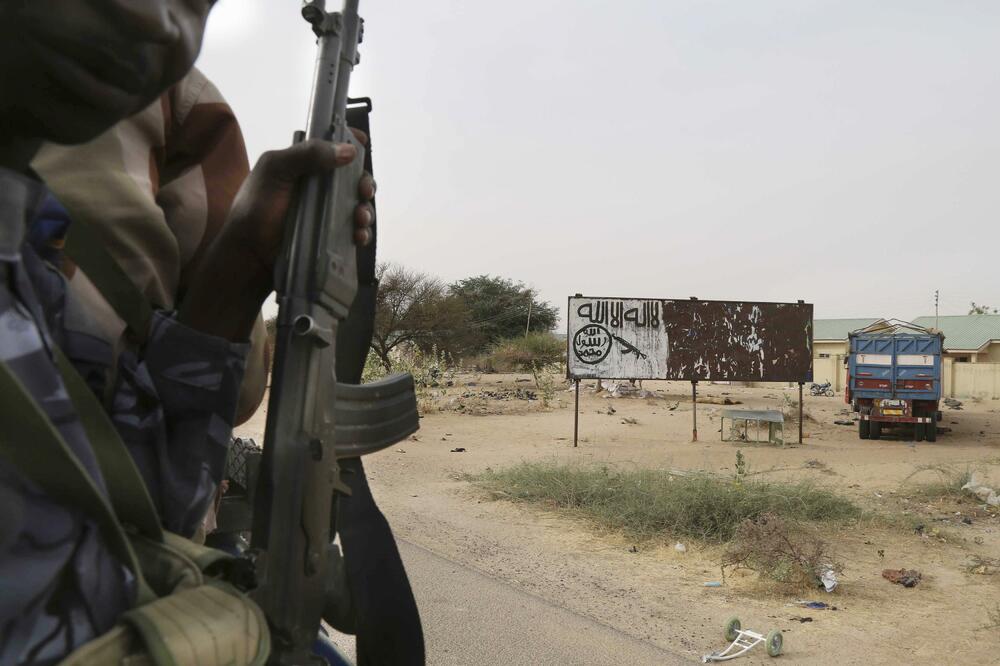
180, 616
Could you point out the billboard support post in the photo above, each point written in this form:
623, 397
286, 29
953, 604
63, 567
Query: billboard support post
576, 414
800, 412
694, 410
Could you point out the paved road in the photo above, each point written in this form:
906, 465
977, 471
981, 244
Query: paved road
469, 618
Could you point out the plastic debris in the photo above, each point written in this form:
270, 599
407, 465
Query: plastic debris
829, 580
712, 583
680, 548
904, 577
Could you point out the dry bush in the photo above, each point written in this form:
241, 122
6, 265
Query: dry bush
780, 550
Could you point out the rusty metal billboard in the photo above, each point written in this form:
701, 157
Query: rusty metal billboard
693, 340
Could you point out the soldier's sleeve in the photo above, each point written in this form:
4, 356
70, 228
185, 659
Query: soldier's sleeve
204, 164
174, 409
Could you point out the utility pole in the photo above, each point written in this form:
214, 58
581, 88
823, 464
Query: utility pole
528, 325
936, 327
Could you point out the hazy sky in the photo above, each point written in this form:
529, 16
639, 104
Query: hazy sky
840, 152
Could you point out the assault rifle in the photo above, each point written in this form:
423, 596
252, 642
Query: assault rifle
311, 419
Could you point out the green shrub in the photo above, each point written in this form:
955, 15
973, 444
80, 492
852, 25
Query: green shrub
523, 354
651, 503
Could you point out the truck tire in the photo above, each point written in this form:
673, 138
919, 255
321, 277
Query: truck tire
863, 429
930, 430
918, 432
875, 430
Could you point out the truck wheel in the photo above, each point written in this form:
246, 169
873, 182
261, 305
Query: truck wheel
863, 429
875, 430
930, 430
918, 432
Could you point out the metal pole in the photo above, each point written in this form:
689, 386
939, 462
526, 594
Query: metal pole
576, 414
800, 412
694, 410
528, 325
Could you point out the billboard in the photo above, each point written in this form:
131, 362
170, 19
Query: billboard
616, 338
693, 340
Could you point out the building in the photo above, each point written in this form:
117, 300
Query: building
968, 338
971, 352
830, 335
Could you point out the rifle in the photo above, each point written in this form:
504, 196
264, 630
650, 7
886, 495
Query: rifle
312, 420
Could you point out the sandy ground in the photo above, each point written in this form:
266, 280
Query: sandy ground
657, 594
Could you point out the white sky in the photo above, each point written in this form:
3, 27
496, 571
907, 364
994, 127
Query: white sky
841, 152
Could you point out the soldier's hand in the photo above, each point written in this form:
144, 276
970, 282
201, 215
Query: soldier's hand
261, 206
237, 274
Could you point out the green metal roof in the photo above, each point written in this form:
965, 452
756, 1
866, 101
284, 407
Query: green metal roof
965, 331
837, 329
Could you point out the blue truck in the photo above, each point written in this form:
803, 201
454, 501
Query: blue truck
894, 381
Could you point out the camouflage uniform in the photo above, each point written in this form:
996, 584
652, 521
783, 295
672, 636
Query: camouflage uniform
157, 187
174, 407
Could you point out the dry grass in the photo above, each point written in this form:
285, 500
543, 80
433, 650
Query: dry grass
780, 550
658, 503
947, 482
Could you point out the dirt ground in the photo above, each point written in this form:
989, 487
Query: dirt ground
657, 593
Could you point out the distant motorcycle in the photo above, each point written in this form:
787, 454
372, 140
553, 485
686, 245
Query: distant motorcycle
824, 389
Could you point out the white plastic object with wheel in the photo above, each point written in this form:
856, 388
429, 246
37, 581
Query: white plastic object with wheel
742, 640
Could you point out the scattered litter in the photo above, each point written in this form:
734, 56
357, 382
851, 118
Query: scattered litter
458, 449
517, 393
843, 422
952, 403
400, 451
814, 605
829, 580
798, 618
712, 583
628, 420
674, 406
712, 400
904, 577
633, 549
982, 492
611, 410
680, 548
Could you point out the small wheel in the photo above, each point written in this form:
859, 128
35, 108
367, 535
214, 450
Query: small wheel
774, 642
733, 627
875, 430
864, 430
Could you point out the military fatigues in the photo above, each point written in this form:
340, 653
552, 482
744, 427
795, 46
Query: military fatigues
59, 585
157, 188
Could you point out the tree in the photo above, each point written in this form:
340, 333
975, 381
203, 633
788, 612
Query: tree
413, 307
499, 308
981, 309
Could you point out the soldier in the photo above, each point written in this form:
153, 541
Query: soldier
155, 189
69, 71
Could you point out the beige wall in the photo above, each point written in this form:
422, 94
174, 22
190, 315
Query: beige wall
979, 378
971, 380
991, 354
830, 370
829, 347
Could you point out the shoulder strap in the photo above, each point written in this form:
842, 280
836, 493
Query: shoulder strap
85, 247
126, 489
30, 442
